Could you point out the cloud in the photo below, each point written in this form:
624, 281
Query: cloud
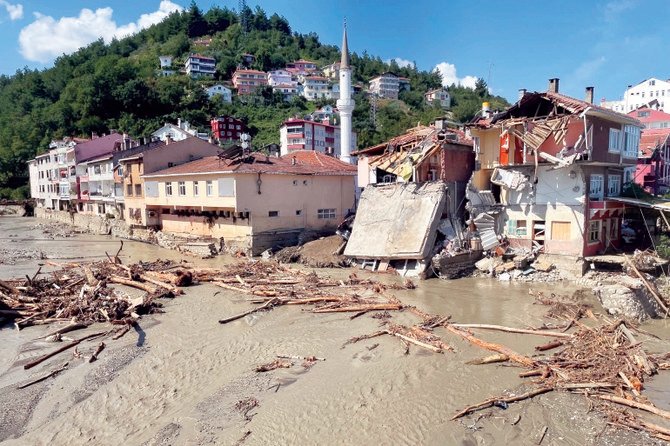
586, 70
15, 11
402, 63
47, 38
448, 72
614, 9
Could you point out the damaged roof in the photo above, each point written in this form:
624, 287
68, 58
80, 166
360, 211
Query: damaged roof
651, 139
548, 104
299, 162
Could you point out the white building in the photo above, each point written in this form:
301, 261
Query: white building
97, 186
199, 66
165, 66
315, 87
652, 92
224, 92
280, 77
332, 71
289, 91
178, 132
386, 85
438, 96
53, 175
300, 134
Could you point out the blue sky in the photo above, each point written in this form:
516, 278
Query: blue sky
606, 44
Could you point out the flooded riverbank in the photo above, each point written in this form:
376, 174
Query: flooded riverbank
177, 379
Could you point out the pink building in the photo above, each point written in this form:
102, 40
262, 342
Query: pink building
299, 134
301, 66
247, 81
653, 163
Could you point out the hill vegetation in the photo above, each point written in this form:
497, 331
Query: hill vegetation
116, 85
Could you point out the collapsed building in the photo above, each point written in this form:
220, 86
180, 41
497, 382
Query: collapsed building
414, 198
547, 174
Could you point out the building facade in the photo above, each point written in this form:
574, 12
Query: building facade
315, 87
300, 134
221, 91
438, 96
248, 81
227, 128
197, 65
251, 203
652, 92
386, 86
302, 66
280, 77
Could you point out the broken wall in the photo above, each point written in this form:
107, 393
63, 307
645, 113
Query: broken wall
397, 221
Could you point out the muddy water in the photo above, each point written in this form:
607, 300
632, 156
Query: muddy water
177, 380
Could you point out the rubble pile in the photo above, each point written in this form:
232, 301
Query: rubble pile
58, 230
325, 252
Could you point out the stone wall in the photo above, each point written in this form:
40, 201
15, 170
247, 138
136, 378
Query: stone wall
12, 209
628, 297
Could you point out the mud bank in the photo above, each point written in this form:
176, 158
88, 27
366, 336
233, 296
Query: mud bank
178, 379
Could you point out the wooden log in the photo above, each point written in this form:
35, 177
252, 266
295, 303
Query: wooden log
43, 358
514, 356
575, 386
68, 328
416, 342
122, 332
301, 358
634, 404
358, 308
94, 356
551, 334
269, 304
492, 401
489, 359
8, 287
47, 376
549, 346
648, 285
131, 283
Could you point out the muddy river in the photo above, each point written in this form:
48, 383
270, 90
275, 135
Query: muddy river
176, 379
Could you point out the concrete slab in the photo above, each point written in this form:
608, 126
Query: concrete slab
397, 221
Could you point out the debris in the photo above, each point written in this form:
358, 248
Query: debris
43, 358
276, 364
47, 376
94, 356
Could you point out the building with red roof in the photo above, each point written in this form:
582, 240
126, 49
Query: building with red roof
653, 163
301, 134
651, 118
247, 81
252, 202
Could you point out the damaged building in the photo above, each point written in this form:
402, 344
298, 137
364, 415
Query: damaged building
546, 171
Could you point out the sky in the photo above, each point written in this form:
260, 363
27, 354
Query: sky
511, 44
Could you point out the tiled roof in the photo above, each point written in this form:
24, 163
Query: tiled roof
249, 71
96, 147
652, 115
415, 135
650, 139
304, 121
307, 162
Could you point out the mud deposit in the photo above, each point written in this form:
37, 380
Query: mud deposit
182, 378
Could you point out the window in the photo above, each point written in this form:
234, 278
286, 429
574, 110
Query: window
138, 190
170, 164
596, 189
273, 214
129, 190
210, 188
594, 231
168, 189
196, 185
631, 141
182, 188
613, 185
298, 212
165, 211
615, 138
120, 171
326, 213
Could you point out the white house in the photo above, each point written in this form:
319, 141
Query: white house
165, 66
651, 93
224, 92
386, 85
199, 66
315, 87
178, 132
289, 91
280, 77
438, 96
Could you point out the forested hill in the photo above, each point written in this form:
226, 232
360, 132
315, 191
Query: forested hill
116, 86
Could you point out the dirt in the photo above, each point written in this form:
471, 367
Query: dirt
184, 381
316, 254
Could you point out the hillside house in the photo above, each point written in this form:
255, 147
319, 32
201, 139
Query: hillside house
438, 96
300, 134
178, 132
252, 202
227, 128
248, 81
280, 77
556, 164
197, 65
302, 66
221, 91
386, 85
315, 87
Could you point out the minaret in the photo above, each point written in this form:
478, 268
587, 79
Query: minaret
345, 105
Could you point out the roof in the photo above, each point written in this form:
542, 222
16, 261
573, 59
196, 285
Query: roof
412, 137
385, 74
307, 162
538, 105
96, 147
436, 90
303, 121
650, 139
652, 115
248, 71
315, 78
303, 61
200, 56
100, 158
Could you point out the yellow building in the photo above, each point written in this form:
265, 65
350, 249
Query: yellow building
252, 202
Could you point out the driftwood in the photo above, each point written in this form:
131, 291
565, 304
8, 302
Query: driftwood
94, 356
358, 308
636, 405
276, 364
513, 356
269, 304
131, 283
47, 376
43, 358
551, 334
301, 358
493, 401
549, 346
489, 359
649, 287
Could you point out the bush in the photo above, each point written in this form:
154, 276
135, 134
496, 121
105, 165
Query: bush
663, 247
18, 193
